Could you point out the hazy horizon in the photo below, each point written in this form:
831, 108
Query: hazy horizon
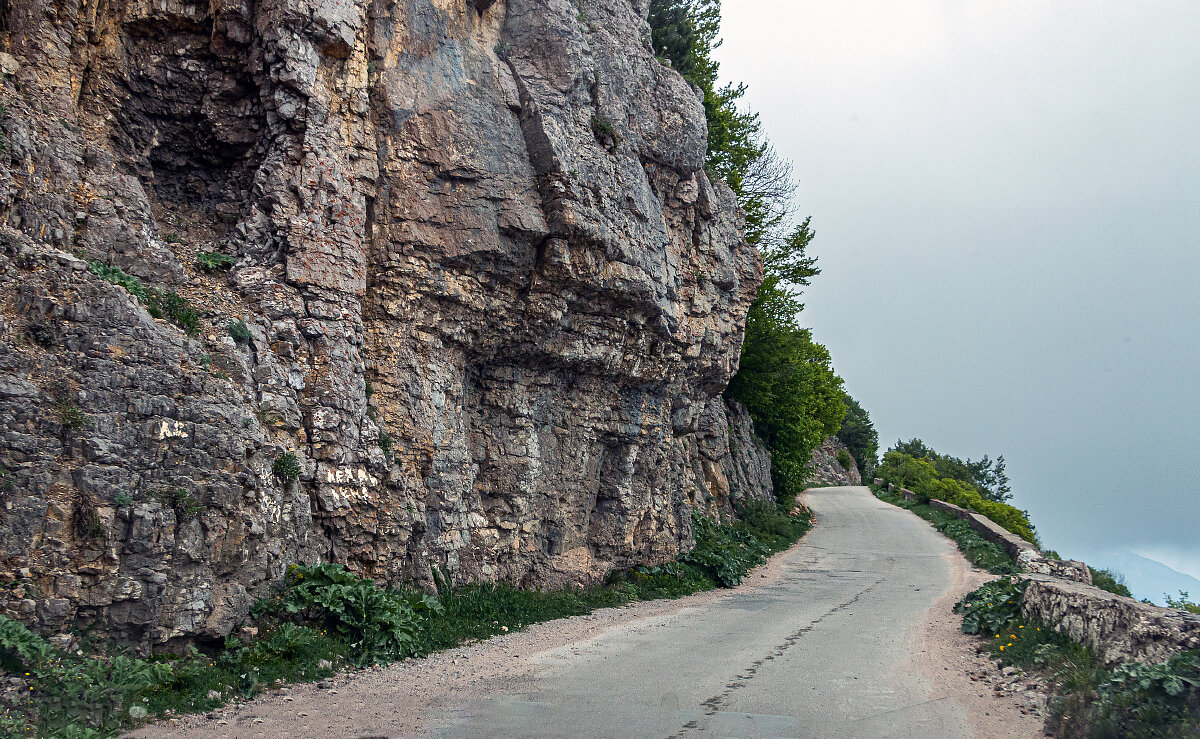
1005, 198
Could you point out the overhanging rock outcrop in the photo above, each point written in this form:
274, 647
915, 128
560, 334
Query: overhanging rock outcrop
490, 299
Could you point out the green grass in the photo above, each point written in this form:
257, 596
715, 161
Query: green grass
322, 618
166, 304
978, 550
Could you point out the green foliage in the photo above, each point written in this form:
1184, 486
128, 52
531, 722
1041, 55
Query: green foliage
922, 476
1111, 581
1131, 700
992, 607
71, 417
785, 379
166, 304
377, 624
287, 467
603, 128
118, 277
214, 261
860, 437
726, 552
385, 442
240, 332
122, 500
183, 503
986, 475
844, 459
1182, 602
70, 694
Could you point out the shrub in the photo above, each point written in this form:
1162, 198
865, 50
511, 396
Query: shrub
180, 500
844, 459
71, 417
993, 607
385, 441
1182, 602
166, 304
602, 128
213, 261
71, 694
122, 500
378, 624
1110, 581
287, 467
240, 332
724, 552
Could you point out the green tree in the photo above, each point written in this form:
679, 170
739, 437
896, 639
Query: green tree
859, 436
786, 380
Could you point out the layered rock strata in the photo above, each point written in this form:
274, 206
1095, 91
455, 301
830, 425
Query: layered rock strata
490, 300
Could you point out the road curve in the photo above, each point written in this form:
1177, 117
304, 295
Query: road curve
837, 637
821, 652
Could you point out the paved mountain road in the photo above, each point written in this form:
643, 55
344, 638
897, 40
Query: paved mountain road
836, 641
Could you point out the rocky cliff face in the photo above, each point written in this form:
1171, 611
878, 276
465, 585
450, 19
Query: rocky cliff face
491, 299
827, 470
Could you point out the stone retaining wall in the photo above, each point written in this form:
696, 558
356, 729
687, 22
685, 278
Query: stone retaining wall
1119, 629
1061, 594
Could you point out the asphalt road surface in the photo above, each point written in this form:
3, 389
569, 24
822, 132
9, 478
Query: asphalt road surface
824, 651
838, 637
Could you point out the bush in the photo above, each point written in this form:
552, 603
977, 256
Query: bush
213, 261
240, 332
992, 607
923, 478
159, 303
378, 624
1110, 581
287, 467
70, 694
844, 459
1182, 602
860, 437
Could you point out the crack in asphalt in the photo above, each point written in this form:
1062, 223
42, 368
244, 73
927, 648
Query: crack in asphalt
713, 705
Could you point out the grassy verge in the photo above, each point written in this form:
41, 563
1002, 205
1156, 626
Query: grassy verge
1091, 699
978, 550
322, 619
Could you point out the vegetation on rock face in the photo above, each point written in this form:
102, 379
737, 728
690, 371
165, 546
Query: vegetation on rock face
785, 380
166, 304
1110, 581
1182, 602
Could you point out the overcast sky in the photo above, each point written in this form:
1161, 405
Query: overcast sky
1006, 197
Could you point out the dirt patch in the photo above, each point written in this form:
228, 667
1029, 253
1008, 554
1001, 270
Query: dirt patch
998, 706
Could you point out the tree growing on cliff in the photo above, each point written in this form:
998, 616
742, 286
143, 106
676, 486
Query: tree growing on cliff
859, 436
786, 380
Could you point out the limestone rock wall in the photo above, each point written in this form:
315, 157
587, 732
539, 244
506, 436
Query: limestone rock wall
827, 470
492, 301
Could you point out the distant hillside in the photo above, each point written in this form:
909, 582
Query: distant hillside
1147, 578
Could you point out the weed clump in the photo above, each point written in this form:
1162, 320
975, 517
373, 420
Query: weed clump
166, 304
602, 128
214, 261
287, 467
240, 332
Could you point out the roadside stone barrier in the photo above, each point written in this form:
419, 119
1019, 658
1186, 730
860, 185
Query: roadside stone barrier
1060, 594
1118, 629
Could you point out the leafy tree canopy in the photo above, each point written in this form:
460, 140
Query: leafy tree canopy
987, 475
859, 436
